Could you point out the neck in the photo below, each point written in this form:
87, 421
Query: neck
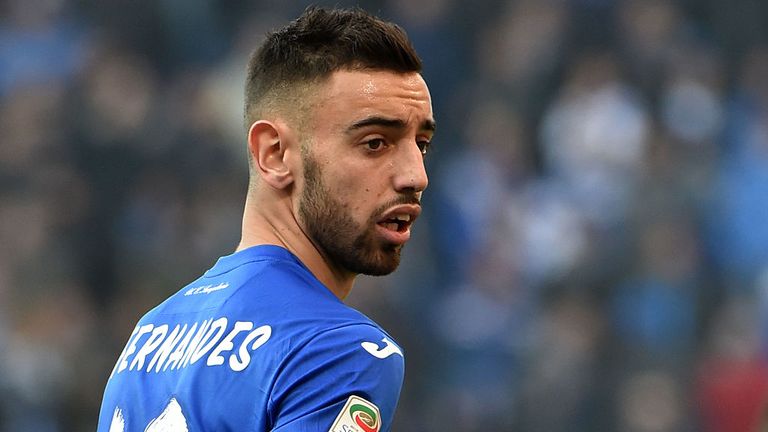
277, 225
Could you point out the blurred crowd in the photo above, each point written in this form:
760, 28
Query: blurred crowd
594, 250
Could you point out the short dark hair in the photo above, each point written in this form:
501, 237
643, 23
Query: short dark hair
318, 43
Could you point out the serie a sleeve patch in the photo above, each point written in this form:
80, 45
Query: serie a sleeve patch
358, 415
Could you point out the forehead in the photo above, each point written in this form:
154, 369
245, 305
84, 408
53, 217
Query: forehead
350, 94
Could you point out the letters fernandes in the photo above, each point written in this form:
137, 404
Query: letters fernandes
152, 348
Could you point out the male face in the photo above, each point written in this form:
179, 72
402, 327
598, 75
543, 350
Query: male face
363, 171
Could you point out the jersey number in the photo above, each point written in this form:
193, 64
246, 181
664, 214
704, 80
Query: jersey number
171, 419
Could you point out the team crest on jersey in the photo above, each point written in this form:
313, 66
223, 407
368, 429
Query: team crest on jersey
358, 415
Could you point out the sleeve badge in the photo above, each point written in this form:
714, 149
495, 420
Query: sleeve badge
358, 415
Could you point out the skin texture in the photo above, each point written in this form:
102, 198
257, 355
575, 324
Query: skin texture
330, 201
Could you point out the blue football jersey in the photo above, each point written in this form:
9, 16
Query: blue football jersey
256, 344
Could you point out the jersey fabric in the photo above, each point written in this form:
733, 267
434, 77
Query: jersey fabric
256, 344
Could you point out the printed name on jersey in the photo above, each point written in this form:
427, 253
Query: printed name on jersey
157, 348
358, 415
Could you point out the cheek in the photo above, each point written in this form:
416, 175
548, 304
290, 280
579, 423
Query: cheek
359, 193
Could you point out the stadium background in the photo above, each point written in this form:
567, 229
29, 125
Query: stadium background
594, 250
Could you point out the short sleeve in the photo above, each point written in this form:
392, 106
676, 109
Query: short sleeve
323, 382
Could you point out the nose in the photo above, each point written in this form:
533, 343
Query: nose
410, 172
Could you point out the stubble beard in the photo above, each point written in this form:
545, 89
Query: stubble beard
344, 242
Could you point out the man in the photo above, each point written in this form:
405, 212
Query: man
339, 119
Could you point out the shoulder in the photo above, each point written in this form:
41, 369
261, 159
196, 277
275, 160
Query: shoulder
351, 351
355, 343
337, 365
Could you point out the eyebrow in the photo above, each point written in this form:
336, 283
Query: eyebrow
394, 123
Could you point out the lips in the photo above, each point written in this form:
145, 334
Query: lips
395, 224
399, 222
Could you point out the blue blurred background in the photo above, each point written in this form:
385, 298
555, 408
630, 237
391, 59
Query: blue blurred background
594, 250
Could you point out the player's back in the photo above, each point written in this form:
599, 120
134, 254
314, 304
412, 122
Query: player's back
255, 344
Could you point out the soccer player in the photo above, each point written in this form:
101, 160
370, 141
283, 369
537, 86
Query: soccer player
338, 120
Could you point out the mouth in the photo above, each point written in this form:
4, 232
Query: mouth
400, 223
396, 223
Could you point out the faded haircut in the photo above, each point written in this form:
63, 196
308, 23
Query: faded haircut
292, 60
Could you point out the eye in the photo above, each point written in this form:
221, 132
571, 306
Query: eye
375, 144
424, 146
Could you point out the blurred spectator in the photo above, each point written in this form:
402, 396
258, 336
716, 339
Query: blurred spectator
655, 310
495, 162
593, 139
40, 41
482, 349
521, 47
649, 32
739, 204
563, 366
651, 401
732, 382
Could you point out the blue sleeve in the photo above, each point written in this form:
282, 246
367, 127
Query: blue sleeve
337, 372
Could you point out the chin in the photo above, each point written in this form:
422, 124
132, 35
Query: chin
386, 263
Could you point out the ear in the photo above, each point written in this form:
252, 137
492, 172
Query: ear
268, 152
